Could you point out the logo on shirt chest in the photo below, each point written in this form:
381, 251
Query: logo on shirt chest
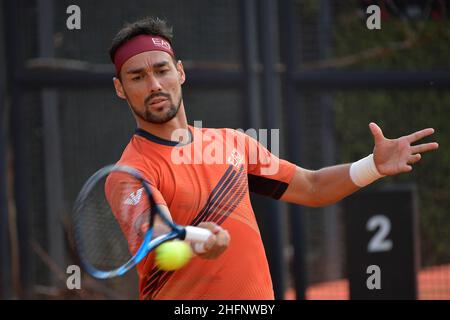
235, 159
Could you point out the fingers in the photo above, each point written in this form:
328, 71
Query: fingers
211, 226
416, 150
407, 168
220, 245
209, 243
217, 243
414, 158
424, 147
376, 132
419, 134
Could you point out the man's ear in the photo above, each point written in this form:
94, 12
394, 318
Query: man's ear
119, 88
180, 70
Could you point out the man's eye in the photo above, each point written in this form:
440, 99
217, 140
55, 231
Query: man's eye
136, 78
163, 71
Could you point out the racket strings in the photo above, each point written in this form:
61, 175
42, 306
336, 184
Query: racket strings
100, 236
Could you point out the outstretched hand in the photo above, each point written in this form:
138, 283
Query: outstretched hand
394, 156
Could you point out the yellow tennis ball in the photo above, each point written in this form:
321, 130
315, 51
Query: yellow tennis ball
172, 255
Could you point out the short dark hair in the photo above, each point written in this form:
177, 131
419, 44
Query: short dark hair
148, 25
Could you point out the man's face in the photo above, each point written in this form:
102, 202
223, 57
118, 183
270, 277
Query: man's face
151, 82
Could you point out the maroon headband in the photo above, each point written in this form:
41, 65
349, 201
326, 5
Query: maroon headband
139, 44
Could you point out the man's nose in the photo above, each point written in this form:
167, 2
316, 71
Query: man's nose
153, 84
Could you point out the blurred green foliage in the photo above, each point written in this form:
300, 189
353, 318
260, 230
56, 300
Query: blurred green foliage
400, 112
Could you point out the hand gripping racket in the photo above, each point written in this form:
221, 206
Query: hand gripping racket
114, 223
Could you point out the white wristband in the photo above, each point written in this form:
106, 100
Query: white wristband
364, 171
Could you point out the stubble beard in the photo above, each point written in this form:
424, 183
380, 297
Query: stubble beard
153, 117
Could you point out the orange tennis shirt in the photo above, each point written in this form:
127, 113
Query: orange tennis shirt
209, 179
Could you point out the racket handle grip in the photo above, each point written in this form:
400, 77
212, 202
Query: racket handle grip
196, 234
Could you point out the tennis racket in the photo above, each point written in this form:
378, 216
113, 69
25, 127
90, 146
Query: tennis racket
116, 223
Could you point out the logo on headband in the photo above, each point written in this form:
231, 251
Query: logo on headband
161, 43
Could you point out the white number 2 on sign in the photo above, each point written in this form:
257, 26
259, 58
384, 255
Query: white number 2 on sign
379, 241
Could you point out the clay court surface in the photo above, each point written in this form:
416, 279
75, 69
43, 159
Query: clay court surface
434, 284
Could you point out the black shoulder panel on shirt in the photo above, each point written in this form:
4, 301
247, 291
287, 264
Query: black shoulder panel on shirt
266, 187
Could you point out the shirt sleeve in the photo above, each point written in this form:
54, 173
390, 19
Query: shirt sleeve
267, 174
130, 205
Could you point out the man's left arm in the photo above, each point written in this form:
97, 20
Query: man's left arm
331, 184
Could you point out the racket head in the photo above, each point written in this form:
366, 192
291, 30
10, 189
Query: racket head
113, 221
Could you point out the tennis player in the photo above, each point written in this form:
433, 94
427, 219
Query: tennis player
203, 176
